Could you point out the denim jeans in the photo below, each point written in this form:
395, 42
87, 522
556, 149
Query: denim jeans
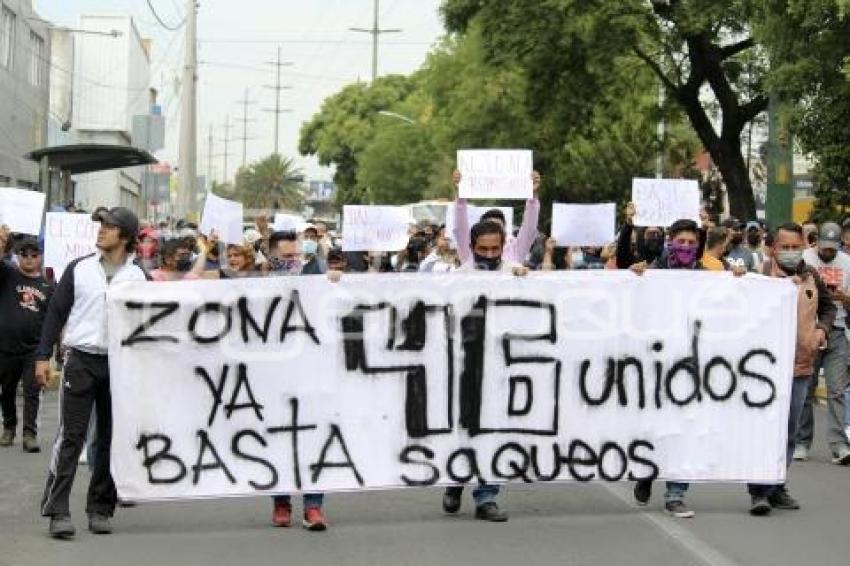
485, 494
833, 360
675, 491
799, 391
310, 499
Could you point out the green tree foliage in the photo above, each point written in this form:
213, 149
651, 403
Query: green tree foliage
572, 49
271, 183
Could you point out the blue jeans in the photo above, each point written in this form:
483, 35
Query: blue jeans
799, 391
485, 494
310, 499
675, 491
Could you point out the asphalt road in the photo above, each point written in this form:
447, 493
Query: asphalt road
560, 525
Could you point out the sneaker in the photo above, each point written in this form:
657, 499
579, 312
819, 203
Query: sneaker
282, 515
99, 524
760, 506
801, 453
490, 511
83, 461
678, 509
7, 438
847, 432
314, 519
842, 457
781, 499
643, 491
451, 499
30, 444
62, 527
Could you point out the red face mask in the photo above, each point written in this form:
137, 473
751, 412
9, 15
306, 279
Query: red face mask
147, 251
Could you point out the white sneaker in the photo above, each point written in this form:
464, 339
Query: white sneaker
801, 453
83, 460
842, 457
847, 432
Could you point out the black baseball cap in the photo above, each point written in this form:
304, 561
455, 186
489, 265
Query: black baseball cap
28, 244
120, 217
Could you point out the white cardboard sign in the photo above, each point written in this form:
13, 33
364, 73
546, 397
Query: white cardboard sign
68, 236
21, 210
286, 222
583, 224
374, 228
495, 174
225, 217
296, 384
661, 202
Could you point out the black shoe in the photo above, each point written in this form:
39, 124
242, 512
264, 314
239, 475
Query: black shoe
643, 491
99, 524
62, 527
760, 506
781, 499
30, 444
490, 512
451, 499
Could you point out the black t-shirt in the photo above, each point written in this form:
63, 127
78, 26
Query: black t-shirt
23, 308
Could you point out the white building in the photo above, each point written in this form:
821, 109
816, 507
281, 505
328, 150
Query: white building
24, 48
111, 85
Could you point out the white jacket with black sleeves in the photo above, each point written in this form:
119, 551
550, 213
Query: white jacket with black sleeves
79, 306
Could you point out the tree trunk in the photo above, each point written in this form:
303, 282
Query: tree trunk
728, 158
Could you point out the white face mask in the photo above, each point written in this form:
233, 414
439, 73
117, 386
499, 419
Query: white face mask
309, 247
577, 259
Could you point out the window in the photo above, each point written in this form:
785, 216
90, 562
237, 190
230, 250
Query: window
7, 38
37, 61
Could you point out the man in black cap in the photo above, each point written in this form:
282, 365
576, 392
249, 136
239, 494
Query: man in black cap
79, 305
833, 267
24, 296
738, 255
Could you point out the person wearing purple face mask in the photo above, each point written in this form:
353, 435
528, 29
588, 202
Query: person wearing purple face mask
284, 257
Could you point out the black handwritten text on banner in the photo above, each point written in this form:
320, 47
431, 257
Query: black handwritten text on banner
297, 384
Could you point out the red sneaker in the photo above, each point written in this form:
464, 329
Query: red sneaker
314, 519
282, 515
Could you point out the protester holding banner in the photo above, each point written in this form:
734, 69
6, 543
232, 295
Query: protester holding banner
176, 261
148, 249
443, 258
241, 262
488, 244
833, 268
516, 249
716, 242
313, 262
816, 317
79, 305
24, 298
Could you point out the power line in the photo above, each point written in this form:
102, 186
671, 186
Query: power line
375, 32
245, 102
162, 23
314, 41
278, 88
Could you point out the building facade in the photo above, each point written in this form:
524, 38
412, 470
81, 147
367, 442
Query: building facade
24, 91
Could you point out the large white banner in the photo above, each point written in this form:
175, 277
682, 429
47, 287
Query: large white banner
495, 173
68, 236
261, 386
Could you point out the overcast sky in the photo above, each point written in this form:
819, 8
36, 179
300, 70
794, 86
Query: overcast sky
238, 36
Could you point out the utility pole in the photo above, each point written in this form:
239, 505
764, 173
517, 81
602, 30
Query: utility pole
375, 32
227, 139
187, 197
210, 157
245, 102
277, 88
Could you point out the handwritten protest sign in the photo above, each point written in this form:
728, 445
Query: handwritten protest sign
660, 202
21, 210
374, 228
68, 236
583, 224
474, 214
286, 222
225, 217
495, 174
297, 384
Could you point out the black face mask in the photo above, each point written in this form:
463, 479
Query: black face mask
654, 245
487, 263
754, 240
184, 264
737, 240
